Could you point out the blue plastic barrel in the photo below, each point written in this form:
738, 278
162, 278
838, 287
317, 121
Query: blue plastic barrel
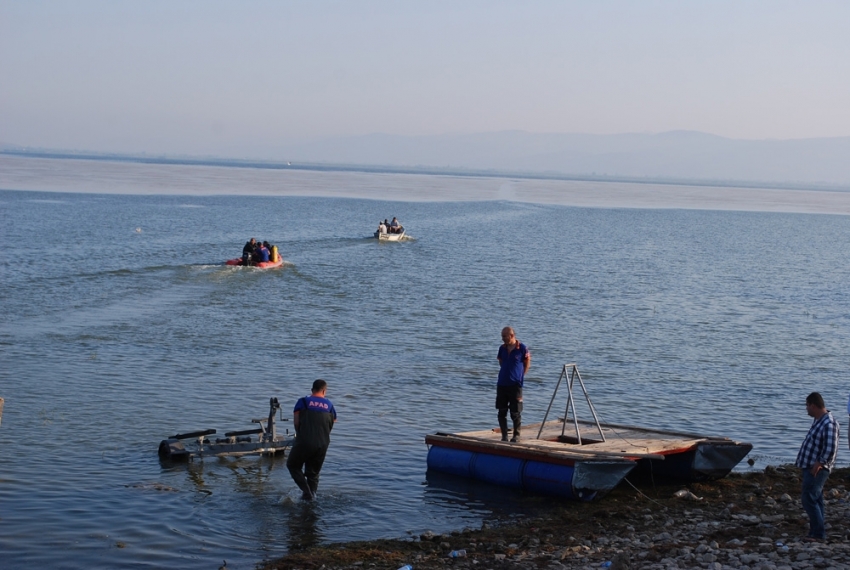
452, 461
499, 470
549, 479
534, 476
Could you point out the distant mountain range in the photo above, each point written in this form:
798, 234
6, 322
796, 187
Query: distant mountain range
677, 156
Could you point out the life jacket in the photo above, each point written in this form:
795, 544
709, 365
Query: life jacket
274, 255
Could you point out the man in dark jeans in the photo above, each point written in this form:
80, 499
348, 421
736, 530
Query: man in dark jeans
816, 459
514, 361
314, 418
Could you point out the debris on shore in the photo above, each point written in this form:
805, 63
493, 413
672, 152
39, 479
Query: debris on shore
745, 521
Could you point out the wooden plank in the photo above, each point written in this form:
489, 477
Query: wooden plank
548, 448
635, 442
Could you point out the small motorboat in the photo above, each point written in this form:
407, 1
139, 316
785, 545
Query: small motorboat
263, 440
383, 236
261, 265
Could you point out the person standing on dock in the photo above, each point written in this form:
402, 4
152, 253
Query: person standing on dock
314, 418
816, 458
514, 361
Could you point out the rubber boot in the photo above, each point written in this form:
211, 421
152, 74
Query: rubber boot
503, 426
306, 492
517, 424
301, 481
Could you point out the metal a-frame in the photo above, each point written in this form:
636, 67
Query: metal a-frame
570, 373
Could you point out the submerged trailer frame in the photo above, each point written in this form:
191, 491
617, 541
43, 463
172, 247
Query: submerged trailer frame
234, 443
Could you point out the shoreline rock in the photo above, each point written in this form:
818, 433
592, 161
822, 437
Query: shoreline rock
744, 521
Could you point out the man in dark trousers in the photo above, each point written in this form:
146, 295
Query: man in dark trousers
816, 459
314, 418
514, 361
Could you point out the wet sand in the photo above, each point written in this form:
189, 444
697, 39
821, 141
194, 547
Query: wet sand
751, 520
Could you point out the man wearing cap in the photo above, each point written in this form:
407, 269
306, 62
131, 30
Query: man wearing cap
816, 458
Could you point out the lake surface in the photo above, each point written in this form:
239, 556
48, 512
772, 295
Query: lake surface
120, 326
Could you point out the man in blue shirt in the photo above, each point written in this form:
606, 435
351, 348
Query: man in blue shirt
816, 458
514, 361
314, 418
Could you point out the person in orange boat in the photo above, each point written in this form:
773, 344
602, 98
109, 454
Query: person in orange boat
248, 251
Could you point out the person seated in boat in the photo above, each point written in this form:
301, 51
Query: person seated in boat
274, 256
262, 253
395, 227
248, 251
382, 228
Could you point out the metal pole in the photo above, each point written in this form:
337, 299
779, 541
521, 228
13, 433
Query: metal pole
590, 405
571, 401
552, 401
567, 406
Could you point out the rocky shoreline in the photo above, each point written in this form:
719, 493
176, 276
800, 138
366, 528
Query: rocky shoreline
752, 520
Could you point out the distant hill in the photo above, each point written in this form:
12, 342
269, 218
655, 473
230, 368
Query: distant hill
677, 156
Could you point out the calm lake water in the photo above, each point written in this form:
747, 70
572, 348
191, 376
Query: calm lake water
120, 326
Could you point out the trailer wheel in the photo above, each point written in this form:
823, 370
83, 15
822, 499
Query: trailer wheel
172, 450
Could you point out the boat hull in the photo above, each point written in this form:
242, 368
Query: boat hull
388, 237
704, 462
261, 265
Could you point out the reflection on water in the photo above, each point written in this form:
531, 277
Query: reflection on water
195, 473
302, 519
483, 499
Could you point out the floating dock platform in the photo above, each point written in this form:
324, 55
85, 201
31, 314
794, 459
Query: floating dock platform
581, 459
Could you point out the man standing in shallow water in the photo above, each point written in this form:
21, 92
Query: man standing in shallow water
314, 418
816, 458
514, 361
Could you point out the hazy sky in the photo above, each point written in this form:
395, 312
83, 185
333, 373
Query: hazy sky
232, 77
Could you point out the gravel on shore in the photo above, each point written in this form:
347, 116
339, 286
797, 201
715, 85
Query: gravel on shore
752, 520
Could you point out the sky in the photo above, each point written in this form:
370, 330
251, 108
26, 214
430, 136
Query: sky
230, 78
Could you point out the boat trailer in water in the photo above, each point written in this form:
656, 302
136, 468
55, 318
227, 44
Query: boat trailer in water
263, 440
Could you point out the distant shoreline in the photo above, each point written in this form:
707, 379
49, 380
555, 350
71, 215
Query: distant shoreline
418, 170
118, 176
